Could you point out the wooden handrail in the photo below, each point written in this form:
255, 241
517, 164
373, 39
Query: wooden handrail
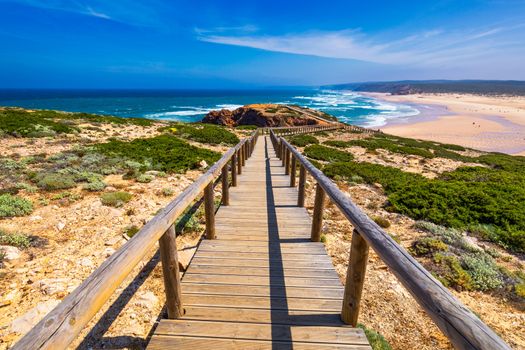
464, 329
62, 325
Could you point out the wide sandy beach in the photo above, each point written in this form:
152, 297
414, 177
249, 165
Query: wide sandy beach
488, 123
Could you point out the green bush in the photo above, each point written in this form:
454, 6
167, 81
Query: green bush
55, 181
337, 143
95, 186
14, 239
204, 133
327, 154
115, 199
376, 340
303, 140
131, 231
483, 270
519, 289
166, 153
428, 245
246, 127
168, 191
451, 273
145, 178
18, 122
381, 221
14, 206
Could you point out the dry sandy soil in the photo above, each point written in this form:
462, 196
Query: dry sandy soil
488, 123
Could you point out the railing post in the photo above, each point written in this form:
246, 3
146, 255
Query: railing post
170, 270
287, 162
283, 153
302, 184
243, 154
293, 171
225, 185
317, 220
239, 161
355, 277
234, 169
209, 211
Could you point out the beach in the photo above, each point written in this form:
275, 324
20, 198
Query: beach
488, 123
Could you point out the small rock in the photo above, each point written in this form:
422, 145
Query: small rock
50, 286
147, 300
27, 321
60, 226
108, 252
86, 262
113, 241
10, 253
110, 189
35, 218
203, 164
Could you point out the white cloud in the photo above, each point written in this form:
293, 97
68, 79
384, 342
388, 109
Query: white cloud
430, 47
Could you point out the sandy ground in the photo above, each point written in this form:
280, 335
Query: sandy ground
488, 123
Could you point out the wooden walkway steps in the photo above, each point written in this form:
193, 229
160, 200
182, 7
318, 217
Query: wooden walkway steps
262, 283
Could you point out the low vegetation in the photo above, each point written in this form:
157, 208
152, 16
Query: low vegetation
303, 140
14, 206
15, 239
115, 199
41, 123
165, 153
327, 154
376, 340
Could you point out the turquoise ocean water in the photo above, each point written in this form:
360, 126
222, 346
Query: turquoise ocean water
192, 105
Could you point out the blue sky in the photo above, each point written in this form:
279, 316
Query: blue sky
240, 44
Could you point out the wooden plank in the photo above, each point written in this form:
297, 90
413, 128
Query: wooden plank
161, 342
242, 262
261, 331
261, 271
263, 281
290, 317
263, 256
253, 302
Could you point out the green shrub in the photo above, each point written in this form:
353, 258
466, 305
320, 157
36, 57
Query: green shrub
483, 270
95, 186
26, 187
115, 199
376, 340
14, 206
166, 153
337, 143
428, 245
131, 231
327, 154
450, 236
381, 221
168, 191
303, 140
145, 178
450, 272
519, 289
18, 122
204, 133
55, 181
14, 239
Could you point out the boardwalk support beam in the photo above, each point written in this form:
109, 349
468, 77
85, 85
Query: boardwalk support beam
302, 186
209, 211
317, 220
355, 278
170, 269
225, 185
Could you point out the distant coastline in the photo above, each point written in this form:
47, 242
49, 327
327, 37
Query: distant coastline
488, 123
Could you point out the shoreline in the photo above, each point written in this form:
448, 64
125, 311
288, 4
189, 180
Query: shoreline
487, 123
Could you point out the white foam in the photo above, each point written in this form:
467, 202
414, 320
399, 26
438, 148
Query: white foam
231, 107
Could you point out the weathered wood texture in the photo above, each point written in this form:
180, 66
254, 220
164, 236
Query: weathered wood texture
261, 284
355, 278
170, 269
462, 327
61, 326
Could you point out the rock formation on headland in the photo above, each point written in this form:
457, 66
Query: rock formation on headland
268, 115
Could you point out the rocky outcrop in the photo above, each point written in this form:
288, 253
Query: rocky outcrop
263, 115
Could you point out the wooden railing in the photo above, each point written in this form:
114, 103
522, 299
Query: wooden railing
464, 329
62, 325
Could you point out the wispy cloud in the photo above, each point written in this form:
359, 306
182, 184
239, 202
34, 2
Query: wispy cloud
127, 12
430, 47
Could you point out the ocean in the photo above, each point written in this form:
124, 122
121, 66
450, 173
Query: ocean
192, 105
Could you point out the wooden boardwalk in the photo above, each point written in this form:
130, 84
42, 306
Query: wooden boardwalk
261, 284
